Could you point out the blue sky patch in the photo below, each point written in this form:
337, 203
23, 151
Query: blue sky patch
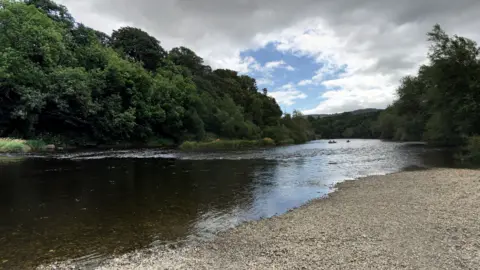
281, 78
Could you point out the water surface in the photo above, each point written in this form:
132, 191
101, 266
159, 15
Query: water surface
94, 204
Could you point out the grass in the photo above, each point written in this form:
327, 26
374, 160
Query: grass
226, 144
10, 145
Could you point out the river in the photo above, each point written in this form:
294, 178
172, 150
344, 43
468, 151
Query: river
91, 205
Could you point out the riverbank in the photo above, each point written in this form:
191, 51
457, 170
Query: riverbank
410, 220
9, 145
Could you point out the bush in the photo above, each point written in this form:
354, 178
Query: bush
8, 145
268, 142
189, 145
36, 145
277, 133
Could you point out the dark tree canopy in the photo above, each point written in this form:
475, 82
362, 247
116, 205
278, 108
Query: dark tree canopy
140, 46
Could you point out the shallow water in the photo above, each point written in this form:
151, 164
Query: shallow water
94, 204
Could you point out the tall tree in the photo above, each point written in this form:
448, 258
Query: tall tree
140, 46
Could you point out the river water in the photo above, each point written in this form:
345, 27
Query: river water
98, 204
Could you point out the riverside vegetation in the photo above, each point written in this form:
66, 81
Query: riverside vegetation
69, 84
16, 145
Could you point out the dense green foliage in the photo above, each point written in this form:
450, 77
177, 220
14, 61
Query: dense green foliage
60, 79
346, 125
441, 104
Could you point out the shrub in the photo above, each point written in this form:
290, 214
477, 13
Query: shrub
189, 146
36, 145
277, 133
8, 145
268, 142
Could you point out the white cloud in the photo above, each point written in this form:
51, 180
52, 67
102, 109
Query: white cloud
305, 82
274, 64
270, 66
355, 92
287, 94
265, 72
288, 86
265, 81
243, 65
287, 97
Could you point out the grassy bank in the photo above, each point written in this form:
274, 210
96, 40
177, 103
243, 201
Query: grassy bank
10, 145
226, 144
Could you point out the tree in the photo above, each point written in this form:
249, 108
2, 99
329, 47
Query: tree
185, 57
441, 103
56, 12
139, 46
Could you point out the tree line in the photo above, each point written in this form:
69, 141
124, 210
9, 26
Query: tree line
440, 104
61, 79
347, 125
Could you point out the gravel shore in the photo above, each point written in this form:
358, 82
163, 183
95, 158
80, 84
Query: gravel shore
409, 220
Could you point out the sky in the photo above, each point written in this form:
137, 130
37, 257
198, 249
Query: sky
316, 56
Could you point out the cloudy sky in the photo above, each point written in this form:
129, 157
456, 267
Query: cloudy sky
318, 56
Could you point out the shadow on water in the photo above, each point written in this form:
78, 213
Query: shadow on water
102, 203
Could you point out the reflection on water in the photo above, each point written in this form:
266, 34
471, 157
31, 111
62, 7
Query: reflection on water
100, 203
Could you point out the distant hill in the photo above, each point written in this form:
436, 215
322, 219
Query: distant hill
362, 111
356, 112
